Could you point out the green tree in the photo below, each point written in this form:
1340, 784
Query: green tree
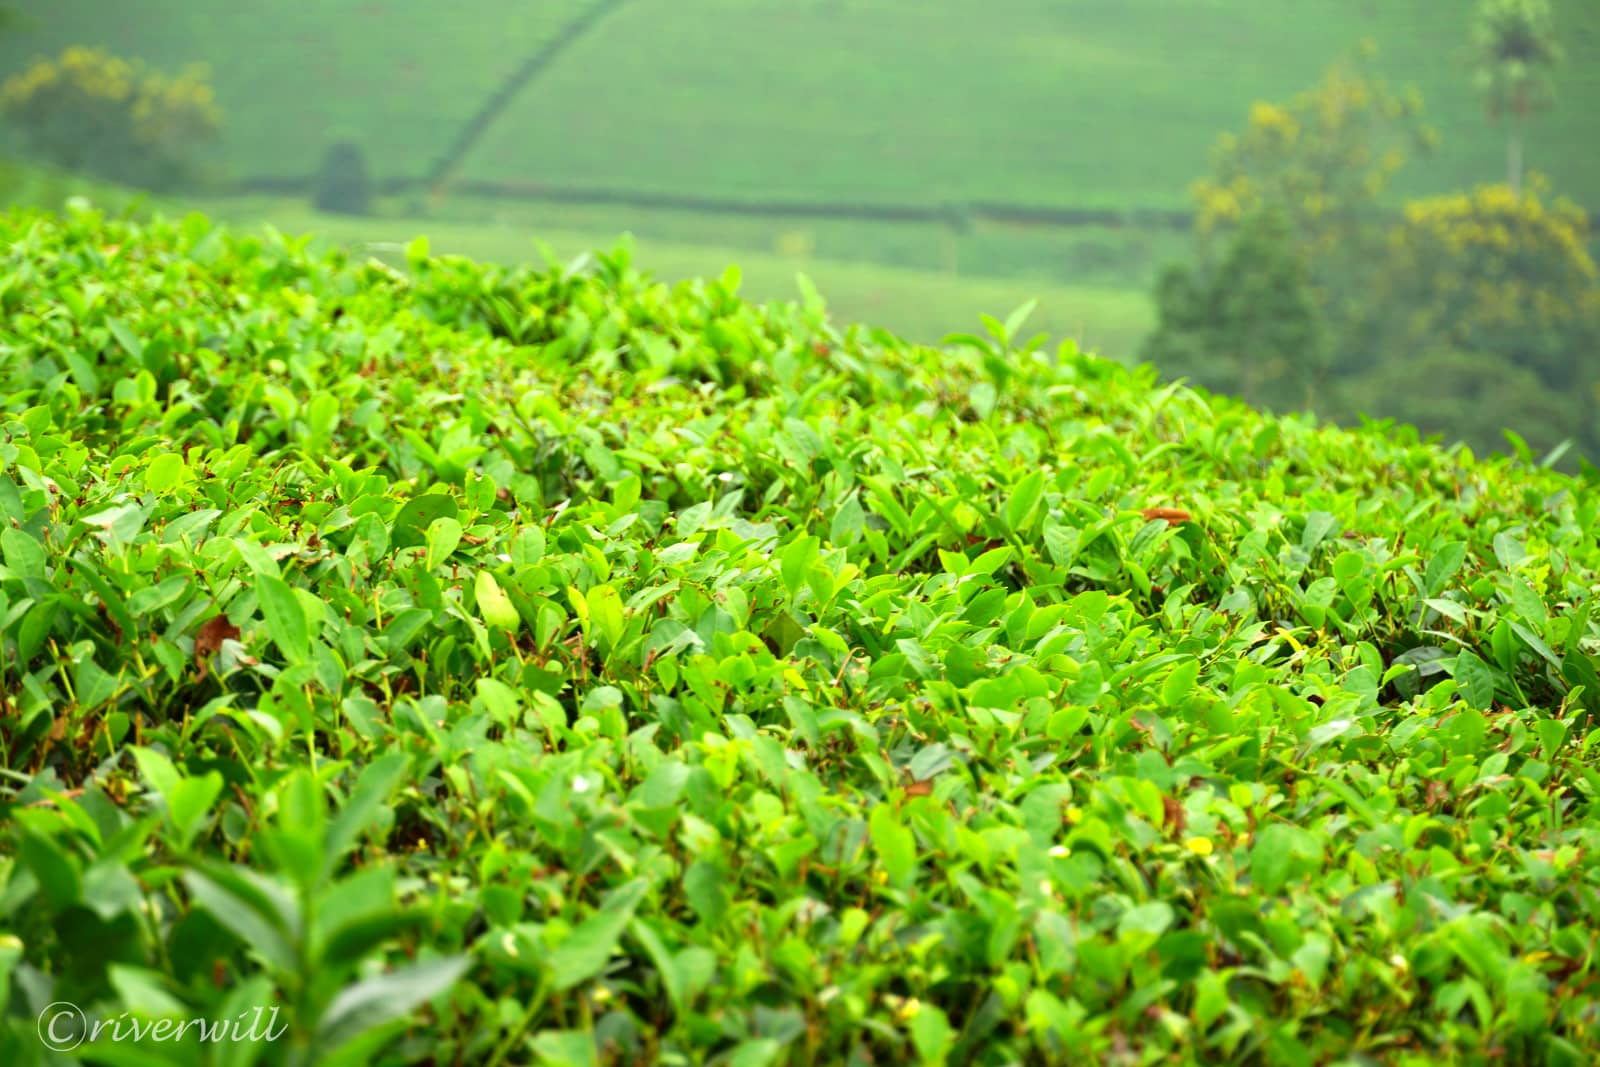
1323, 160
93, 113
1516, 51
1249, 325
1508, 277
343, 184
1471, 397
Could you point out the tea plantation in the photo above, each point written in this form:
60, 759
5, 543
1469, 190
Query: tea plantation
1069, 103
478, 665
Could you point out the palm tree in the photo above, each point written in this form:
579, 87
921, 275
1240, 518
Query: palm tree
1516, 49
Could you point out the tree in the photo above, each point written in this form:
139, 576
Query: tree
13, 20
343, 185
93, 113
1250, 325
1322, 160
1502, 273
1516, 51
1471, 397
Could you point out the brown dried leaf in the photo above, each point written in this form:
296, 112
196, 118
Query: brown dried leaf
208, 640
1173, 816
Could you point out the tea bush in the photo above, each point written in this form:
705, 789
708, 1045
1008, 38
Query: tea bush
498, 666
93, 113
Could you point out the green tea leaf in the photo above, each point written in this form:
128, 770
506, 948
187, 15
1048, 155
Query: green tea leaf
1444, 565
444, 536
1475, 679
605, 613
372, 1002
23, 555
895, 845
285, 617
588, 948
493, 604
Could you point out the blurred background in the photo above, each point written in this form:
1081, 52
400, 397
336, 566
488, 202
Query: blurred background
1369, 208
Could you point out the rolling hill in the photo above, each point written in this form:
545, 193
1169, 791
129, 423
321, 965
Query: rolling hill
1083, 103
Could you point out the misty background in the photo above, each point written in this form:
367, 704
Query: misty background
1364, 209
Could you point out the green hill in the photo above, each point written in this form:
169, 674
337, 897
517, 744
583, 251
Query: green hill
487, 665
1085, 103
1103, 103
402, 76
47, 189
922, 304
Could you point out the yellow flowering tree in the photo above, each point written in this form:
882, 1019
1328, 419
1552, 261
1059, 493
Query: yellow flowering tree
1288, 225
1501, 273
1322, 161
1322, 158
93, 113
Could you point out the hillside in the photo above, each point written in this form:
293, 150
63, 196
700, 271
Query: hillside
494, 665
921, 304
401, 75
1092, 103
1095, 103
49, 190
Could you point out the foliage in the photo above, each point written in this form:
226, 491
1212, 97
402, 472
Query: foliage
1472, 396
1324, 161
343, 185
1492, 282
489, 666
1505, 274
1517, 50
920, 304
96, 114
1250, 325
1324, 158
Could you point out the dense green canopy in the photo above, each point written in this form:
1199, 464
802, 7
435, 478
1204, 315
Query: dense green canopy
631, 673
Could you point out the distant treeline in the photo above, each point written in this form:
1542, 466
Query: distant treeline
949, 214
954, 214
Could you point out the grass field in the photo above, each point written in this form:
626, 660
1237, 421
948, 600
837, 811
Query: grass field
1118, 256
1099, 102
922, 305
1092, 103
